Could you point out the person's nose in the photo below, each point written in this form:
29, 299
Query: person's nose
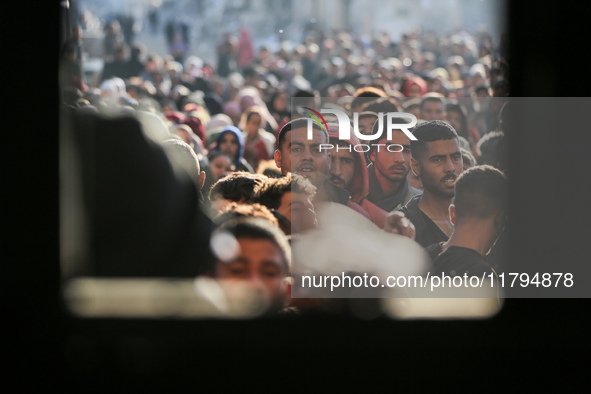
307, 155
449, 165
397, 157
256, 280
335, 168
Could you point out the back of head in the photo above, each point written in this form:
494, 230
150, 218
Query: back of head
270, 193
480, 192
435, 130
153, 126
182, 155
234, 211
269, 169
431, 99
381, 105
365, 95
370, 91
238, 187
301, 185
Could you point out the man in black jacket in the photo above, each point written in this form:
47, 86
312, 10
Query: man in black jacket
478, 214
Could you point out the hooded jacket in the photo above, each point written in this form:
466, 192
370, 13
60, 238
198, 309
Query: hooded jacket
238, 159
360, 185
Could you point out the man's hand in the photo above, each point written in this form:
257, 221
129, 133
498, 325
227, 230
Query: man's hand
397, 223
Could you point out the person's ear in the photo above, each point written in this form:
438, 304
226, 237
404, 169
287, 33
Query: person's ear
452, 214
277, 158
201, 179
372, 155
414, 166
286, 285
499, 221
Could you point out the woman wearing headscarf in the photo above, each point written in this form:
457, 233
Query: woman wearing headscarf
414, 87
231, 142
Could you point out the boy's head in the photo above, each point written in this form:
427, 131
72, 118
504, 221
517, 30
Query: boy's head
237, 187
254, 251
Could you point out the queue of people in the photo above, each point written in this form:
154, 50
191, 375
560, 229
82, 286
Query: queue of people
175, 155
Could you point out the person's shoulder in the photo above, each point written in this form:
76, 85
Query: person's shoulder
466, 254
356, 207
434, 250
415, 191
458, 261
412, 205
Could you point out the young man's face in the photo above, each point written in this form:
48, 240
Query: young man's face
298, 209
392, 165
415, 110
454, 119
342, 167
302, 156
229, 144
366, 125
433, 110
260, 263
439, 166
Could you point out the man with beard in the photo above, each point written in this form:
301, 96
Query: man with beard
348, 170
388, 186
437, 161
297, 154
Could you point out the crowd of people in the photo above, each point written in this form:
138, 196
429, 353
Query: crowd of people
217, 174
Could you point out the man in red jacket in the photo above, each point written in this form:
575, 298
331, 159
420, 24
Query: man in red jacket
295, 151
348, 171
